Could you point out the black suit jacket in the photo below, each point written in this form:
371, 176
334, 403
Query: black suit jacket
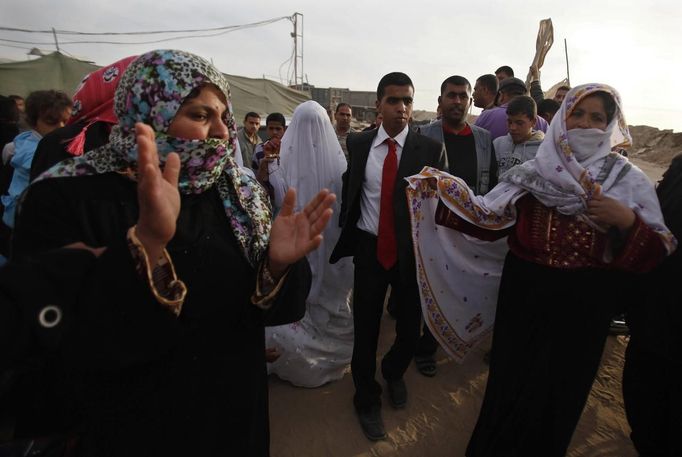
418, 152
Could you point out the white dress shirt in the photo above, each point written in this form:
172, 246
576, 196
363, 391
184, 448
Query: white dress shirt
370, 200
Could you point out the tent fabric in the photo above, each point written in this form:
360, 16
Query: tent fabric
262, 96
58, 71
549, 93
53, 71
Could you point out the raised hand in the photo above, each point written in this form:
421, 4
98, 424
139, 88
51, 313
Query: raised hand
294, 235
608, 212
157, 194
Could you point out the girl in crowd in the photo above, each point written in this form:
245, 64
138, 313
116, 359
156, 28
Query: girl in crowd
140, 379
318, 348
579, 217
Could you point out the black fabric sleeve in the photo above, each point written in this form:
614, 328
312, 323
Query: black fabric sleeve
51, 149
116, 319
289, 306
536, 91
44, 220
37, 288
344, 189
493, 173
118, 322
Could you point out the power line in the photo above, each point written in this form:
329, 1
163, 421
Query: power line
153, 32
162, 40
12, 46
288, 69
25, 42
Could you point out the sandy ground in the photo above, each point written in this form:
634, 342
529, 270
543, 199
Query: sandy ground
440, 415
441, 411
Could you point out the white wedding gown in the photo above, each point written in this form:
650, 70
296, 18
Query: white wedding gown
318, 348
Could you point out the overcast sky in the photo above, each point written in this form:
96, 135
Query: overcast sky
633, 46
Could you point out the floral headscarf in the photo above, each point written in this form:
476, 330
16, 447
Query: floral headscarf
151, 91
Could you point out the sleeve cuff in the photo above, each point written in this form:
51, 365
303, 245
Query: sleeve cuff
163, 282
266, 287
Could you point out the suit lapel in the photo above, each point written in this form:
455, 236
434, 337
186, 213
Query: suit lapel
409, 158
360, 162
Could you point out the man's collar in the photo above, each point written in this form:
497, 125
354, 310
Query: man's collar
253, 138
399, 138
464, 132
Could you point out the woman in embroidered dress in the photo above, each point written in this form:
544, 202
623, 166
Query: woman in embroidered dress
140, 379
318, 348
580, 219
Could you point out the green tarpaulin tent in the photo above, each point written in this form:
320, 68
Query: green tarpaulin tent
53, 71
57, 71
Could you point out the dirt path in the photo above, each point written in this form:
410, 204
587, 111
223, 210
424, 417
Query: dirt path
440, 416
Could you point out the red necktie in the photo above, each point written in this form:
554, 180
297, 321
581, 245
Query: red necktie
386, 243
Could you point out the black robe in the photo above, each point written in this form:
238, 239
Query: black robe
52, 148
142, 382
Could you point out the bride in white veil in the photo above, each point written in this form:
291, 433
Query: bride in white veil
318, 348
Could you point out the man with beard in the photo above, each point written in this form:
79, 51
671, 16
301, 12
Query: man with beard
471, 157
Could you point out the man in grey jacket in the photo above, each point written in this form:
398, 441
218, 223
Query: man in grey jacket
470, 156
248, 137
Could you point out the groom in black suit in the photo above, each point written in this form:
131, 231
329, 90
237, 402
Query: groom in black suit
377, 233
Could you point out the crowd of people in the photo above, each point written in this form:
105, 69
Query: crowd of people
160, 262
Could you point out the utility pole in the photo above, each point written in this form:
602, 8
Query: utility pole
297, 35
568, 72
56, 43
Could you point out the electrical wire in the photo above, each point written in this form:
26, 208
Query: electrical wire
163, 40
284, 63
25, 42
13, 46
154, 32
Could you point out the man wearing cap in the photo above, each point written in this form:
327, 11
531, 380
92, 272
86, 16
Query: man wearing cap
495, 120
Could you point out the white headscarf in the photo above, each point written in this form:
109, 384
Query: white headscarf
568, 169
311, 159
565, 172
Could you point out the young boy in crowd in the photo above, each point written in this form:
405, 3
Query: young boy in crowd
522, 141
46, 110
265, 154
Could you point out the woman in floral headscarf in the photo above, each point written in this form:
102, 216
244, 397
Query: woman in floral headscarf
579, 219
148, 380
